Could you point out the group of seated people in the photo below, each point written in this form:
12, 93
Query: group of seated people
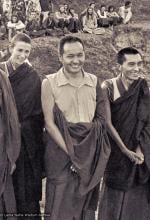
64, 20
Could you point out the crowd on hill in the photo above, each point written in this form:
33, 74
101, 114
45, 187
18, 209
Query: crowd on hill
30, 17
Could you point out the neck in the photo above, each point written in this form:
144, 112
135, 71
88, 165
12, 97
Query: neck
15, 65
126, 82
73, 75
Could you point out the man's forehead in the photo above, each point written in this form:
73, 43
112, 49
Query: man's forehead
22, 45
73, 47
133, 57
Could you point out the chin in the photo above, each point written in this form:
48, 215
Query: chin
75, 71
20, 63
134, 79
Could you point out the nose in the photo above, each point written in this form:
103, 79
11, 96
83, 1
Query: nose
136, 68
23, 55
75, 60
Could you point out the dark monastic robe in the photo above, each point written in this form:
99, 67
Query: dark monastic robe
130, 117
127, 185
72, 195
27, 178
10, 141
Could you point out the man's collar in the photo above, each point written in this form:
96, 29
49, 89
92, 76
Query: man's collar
63, 80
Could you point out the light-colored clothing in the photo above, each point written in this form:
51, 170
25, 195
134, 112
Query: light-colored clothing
90, 23
77, 103
33, 9
100, 15
113, 90
125, 14
58, 15
112, 14
102, 20
90, 26
45, 14
18, 26
65, 199
14, 28
7, 6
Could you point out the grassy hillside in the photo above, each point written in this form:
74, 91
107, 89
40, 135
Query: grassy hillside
140, 7
100, 51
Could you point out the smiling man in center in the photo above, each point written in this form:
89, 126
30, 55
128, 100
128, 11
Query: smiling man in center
77, 146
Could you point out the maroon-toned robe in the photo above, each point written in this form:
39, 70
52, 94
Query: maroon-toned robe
9, 146
74, 195
27, 178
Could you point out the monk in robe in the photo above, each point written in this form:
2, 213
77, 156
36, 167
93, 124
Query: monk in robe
77, 148
127, 178
10, 141
26, 86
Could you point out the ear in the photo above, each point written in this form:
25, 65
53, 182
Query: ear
60, 58
10, 48
119, 67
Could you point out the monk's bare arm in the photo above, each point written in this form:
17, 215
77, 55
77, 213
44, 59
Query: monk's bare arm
47, 106
113, 132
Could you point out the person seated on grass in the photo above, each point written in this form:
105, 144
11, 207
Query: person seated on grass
74, 25
113, 16
7, 6
83, 13
29, 9
90, 23
66, 7
14, 26
49, 24
46, 7
5, 17
18, 8
102, 19
125, 12
61, 19
33, 28
32, 8
92, 5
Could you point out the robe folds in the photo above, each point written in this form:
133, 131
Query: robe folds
131, 118
27, 179
10, 142
127, 190
68, 193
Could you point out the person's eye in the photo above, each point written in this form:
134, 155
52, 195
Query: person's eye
70, 56
20, 50
80, 55
131, 64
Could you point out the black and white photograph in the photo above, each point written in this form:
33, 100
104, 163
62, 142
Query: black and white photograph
74, 110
